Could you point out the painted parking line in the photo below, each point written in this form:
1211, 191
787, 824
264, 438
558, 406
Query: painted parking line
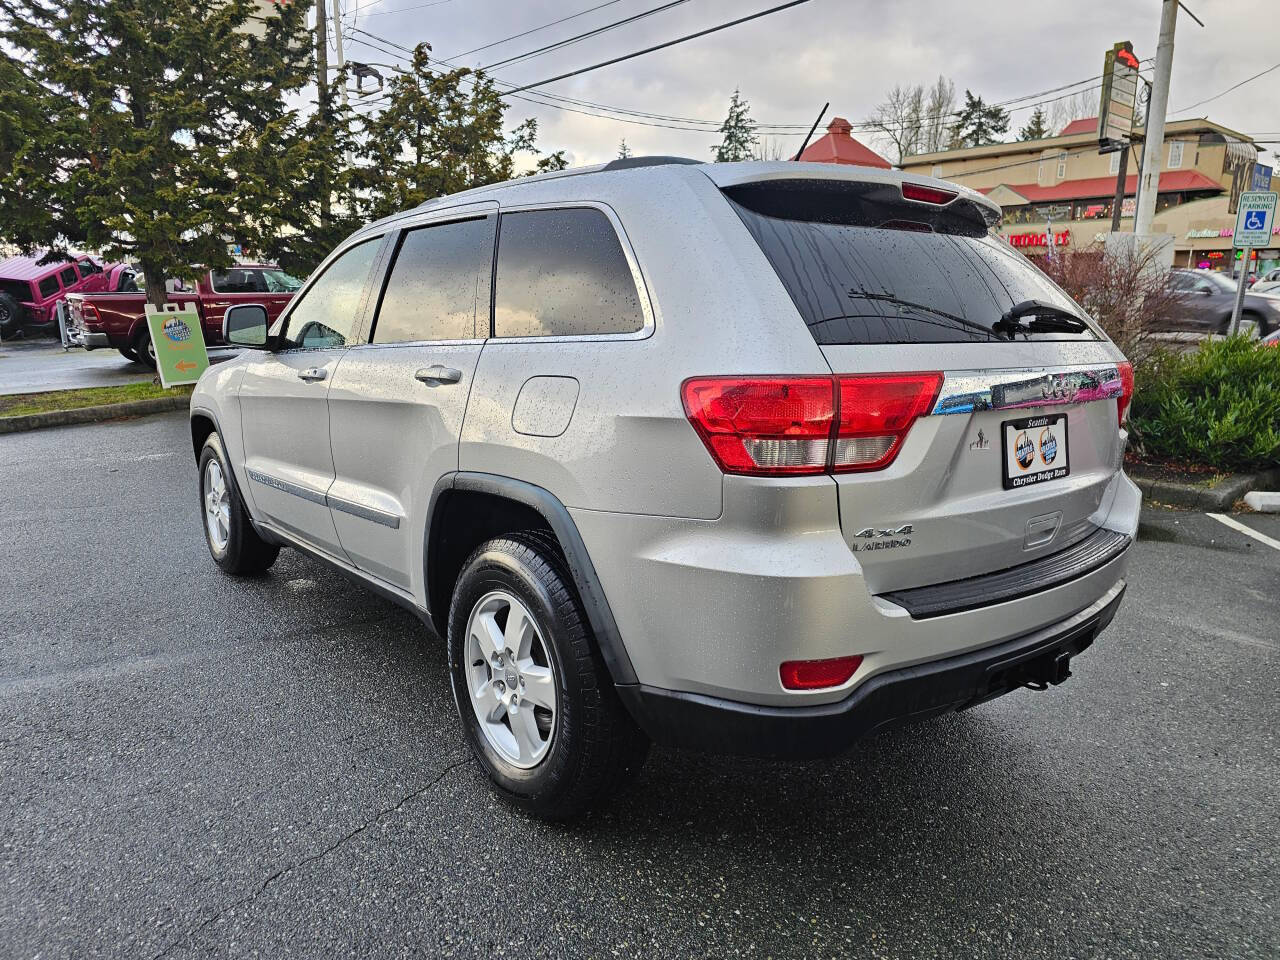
1247, 531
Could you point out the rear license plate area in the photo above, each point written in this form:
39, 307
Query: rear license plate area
1035, 450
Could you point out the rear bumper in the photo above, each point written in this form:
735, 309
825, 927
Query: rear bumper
888, 699
88, 339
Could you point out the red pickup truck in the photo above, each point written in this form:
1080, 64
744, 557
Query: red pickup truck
30, 290
97, 320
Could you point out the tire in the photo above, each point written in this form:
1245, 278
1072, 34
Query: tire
144, 350
235, 546
10, 314
128, 353
588, 747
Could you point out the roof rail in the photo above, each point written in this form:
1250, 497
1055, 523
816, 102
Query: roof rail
627, 163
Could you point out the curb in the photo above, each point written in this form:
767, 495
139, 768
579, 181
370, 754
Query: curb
110, 411
1220, 496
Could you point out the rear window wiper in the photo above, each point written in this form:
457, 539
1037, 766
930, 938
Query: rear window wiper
891, 298
1039, 317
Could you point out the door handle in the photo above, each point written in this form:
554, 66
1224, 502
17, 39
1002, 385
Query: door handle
436, 374
312, 374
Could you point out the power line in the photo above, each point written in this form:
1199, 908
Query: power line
605, 28
421, 6
661, 46
517, 36
1236, 86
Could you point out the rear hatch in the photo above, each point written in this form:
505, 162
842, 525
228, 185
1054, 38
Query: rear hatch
1016, 453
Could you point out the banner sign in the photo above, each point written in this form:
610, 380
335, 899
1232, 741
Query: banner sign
179, 341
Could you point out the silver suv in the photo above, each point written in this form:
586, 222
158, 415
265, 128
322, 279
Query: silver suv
753, 458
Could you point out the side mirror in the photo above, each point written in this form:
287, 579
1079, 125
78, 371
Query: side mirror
245, 325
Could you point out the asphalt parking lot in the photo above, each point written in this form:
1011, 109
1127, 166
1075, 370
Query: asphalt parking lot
191, 764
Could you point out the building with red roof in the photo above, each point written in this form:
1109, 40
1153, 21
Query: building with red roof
1062, 185
837, 145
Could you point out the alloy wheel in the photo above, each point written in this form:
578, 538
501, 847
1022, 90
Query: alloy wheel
217, 506
510, 681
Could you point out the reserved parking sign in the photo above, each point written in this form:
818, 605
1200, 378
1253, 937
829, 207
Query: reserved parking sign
179, 341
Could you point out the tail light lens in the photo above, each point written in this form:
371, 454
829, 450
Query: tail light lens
875, 414
763, 425
1126, 391
769, 426
817, 674
89, 314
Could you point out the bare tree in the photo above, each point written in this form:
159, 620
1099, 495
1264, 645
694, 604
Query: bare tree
1083, 104
939, 104
897, 121
770, 148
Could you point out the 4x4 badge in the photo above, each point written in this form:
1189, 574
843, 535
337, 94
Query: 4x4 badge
872, 533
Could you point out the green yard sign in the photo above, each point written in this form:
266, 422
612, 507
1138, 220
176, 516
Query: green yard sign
179, 343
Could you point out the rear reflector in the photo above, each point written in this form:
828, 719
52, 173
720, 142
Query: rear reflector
923, 194
768, 426
1126, 391
816, 674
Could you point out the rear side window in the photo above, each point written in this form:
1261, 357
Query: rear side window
69, 276
239, 280
562, 273
48, 286
865, 266
439, 284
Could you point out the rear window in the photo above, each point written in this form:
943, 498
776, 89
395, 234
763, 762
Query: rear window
865, 266
48, 286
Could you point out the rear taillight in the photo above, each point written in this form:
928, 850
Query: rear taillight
816, 674
876, 412
923, 194
1126, 391
763, 425
85, 310
769, 426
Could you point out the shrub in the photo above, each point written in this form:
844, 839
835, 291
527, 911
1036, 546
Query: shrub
1218, 406
1124, 288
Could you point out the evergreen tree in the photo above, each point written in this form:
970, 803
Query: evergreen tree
978, 124
162, 132
738, 138
623, 150
440, 132
1037, 127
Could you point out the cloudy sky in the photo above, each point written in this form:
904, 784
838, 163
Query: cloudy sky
847, 51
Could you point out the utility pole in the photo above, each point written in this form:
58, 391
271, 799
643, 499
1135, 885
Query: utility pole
337, 34
322, 99
1153, 147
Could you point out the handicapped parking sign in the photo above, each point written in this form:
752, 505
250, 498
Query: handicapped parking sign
1254, 219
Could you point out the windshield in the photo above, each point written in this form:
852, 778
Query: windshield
280, 282
899, 281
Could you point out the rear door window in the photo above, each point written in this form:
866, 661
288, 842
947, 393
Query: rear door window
439, 284
869, 269
48, 286
562, 273
239, 280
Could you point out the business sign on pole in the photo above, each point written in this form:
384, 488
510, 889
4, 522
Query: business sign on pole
1119, 95
1253, 220
179, 341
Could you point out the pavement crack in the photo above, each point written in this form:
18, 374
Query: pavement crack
190, 935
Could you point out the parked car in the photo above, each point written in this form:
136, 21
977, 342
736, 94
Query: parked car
1207, 299
1269, 282
30, 291
119, 319
754, 458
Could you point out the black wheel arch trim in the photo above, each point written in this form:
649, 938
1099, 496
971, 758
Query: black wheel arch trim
549, 507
